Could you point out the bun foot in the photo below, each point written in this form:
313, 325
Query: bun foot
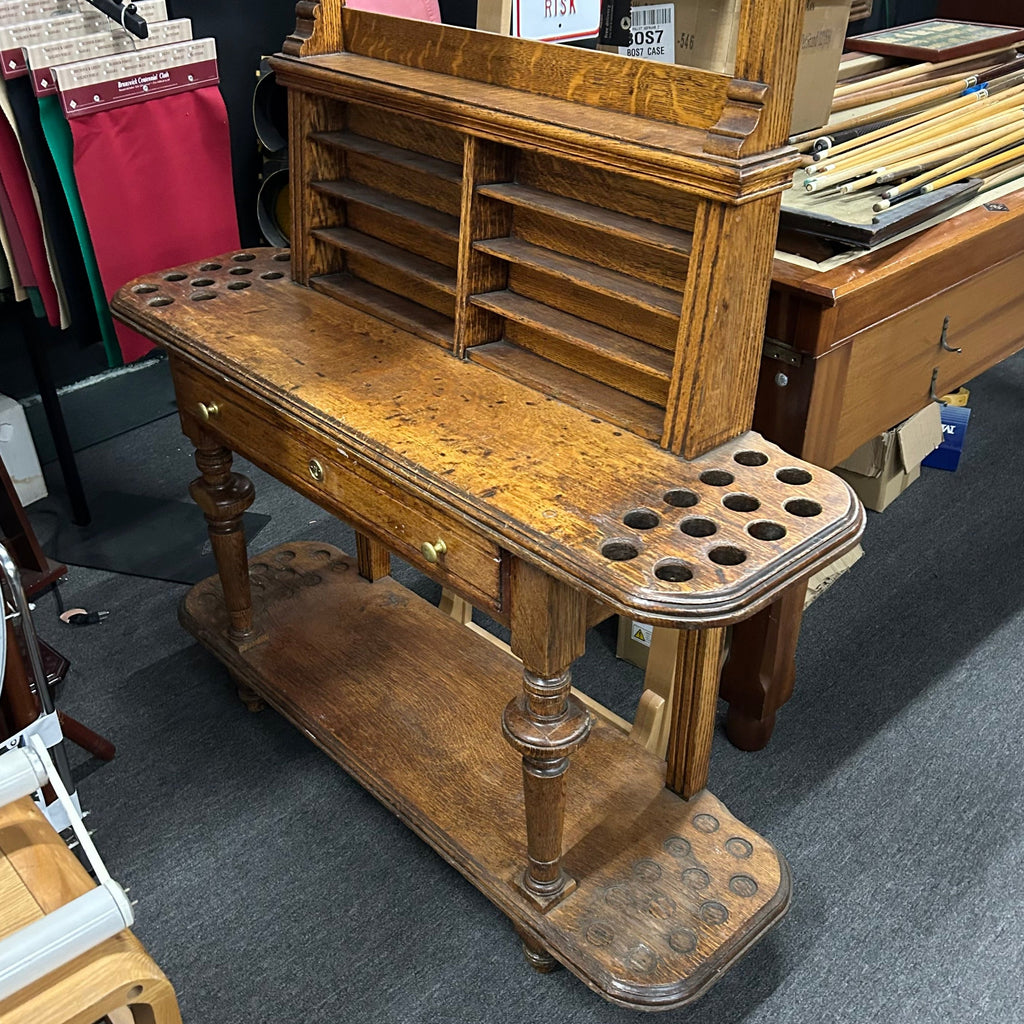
748, 733
537, 956
249, 697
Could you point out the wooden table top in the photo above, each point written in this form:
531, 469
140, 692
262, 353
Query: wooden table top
547, 481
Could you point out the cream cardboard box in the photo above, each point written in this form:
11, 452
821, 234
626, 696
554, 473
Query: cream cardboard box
702, 34
19, 453
883, 468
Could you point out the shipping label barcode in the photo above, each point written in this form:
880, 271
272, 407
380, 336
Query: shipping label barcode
652, 33
642, 17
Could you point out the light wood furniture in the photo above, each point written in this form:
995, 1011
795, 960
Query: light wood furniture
516, 342
38, 874
860, 348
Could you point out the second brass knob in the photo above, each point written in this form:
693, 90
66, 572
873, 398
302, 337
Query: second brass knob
432, 552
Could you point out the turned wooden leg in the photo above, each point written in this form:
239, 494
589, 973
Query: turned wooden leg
758, 675
224, 496
545, 723
695, 698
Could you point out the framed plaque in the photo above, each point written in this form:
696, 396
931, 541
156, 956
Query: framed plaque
936, 40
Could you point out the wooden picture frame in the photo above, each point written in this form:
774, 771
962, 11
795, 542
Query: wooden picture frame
936, 39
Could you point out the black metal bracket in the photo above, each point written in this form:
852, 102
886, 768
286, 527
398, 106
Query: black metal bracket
126, 15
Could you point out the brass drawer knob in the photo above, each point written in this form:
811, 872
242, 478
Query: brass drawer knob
316, 470
207, 411
432, 552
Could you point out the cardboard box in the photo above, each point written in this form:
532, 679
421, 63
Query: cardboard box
634, 641
703, 33
887, 465
19, 453
821, 47
824, 578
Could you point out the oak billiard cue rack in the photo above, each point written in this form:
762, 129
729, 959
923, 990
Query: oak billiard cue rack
516, 342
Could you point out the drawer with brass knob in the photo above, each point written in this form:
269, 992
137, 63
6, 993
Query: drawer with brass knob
440, 545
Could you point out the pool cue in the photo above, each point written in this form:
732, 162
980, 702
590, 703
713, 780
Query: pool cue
910, 71
1007, 79
958, 170
906, 104
924, 148
979, 72
925, 161
1006, 139
890, 122
828, 142
973, 170
1002, 177
907, 145
956, 116
861, 99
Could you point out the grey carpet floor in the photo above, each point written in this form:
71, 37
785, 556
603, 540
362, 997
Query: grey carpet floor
273, 888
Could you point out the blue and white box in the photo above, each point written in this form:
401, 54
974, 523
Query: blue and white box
954, 429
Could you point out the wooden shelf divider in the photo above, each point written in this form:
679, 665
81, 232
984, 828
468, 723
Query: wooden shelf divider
609, 357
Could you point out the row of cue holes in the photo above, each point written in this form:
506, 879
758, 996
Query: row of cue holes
204, 283
620, 550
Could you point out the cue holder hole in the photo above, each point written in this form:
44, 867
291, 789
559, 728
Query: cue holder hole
619, 550
741, 502
673, 572
766, 530
803, 507
697, 527
716, 477
727, 556
641, 519
750, 458
681, 498
792, 475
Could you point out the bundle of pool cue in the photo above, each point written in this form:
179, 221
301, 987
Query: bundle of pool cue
916, 128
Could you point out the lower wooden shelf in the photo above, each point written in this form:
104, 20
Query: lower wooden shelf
670, 892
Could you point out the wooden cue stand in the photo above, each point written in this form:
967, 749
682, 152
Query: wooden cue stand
515, 342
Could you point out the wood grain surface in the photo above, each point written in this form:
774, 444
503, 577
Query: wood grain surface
669, 892
39, 874
581, 509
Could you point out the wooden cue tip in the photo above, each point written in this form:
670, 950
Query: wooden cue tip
882, 204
